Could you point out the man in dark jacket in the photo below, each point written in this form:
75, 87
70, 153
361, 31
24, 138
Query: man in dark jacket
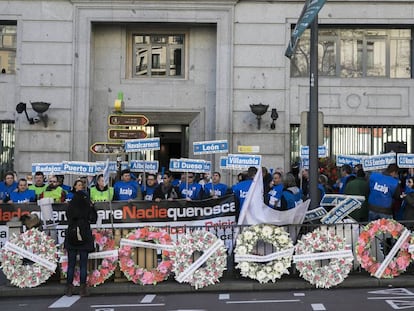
359, 186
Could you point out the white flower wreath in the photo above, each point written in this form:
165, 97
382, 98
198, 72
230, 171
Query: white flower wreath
213, 258
35, 246
269, 267
319, 245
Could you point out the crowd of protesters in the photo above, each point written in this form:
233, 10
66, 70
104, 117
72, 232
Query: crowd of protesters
388, 194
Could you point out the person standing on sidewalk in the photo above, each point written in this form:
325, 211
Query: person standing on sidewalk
80, 214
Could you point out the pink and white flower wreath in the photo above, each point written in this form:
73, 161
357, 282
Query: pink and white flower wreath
105, 241
140, 275
378, 227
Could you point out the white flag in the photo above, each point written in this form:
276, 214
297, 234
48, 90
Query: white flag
254, 211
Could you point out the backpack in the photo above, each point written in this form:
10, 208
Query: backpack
77, 232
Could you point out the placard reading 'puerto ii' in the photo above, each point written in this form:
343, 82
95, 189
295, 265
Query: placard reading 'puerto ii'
206, 147
137, 145
81, 168
190, 165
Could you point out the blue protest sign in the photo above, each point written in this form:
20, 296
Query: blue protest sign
145, 144
187, 165
139, 165
349, 159
79, 168
322, 151
223, 163
206, 147
405, 160
339, 212
243, 161
48, 168
378, 162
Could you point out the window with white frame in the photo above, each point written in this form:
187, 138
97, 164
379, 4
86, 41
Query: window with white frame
158, 55
8, 47
356, 53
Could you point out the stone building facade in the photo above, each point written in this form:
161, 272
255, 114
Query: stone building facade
79, 54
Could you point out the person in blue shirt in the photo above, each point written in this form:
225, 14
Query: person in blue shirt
383, 189
22, 194
149, 187
215, 188
7, 187
272, 198
190, 189
346, 176
291, 195
127, 189
240, 189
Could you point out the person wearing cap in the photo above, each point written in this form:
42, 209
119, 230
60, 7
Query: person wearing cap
127, 189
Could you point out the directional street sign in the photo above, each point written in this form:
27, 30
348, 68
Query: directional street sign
142, 144
126, 134
205, 147
127, 119
105, 148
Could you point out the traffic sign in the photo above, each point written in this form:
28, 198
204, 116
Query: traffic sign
105, 148
126, 134
127, 119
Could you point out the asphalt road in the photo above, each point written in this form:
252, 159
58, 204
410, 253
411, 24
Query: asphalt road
310, 300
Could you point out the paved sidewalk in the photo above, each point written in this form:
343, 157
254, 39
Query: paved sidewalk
55, 288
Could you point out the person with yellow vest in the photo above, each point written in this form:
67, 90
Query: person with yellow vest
100, 192
54, 191
39, 184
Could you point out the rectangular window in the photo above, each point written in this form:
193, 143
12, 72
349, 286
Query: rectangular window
356, 53
158, 55
7, 142
357, 139
8, 44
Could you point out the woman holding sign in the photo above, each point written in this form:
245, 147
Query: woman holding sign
78, 239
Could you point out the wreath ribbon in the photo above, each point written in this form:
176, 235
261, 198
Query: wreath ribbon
403, 237
265, 258
95, 255
199, 262
136, 243
323, 255
29, 255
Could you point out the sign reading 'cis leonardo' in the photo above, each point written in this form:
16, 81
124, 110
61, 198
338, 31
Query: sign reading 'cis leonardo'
127, 119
